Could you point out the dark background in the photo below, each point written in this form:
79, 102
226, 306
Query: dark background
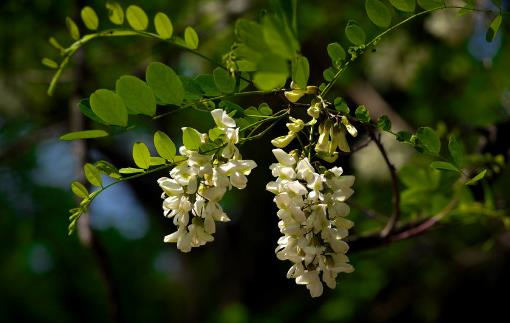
437, 71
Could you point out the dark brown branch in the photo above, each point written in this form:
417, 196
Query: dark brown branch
392, 222
407, 231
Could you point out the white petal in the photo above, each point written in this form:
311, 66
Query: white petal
222, 119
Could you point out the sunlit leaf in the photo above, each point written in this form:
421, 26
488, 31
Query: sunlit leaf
477, 178
85, 134
165, 83
300, 71
137, 18
362, 114
108, 106
430, 4
163, 25
89, 18
164, 145
493, 28
136, 94
272, 73
72, 28
131, 170
115, 12
191, 38
79, 190
49, 63
157, 161
191, 138
92, 174
108, 169
141, 155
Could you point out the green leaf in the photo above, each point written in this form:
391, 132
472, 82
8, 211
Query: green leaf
165, 83
378, 13
272, 73
108, 106
191, 37
404, 136
108, 169
209, 148
157, 161
251, 34
341, 105
404, 5
72, 28
164, 145
278, 37
86, 110
456, 149
430, 4
115, 12
362, 114
136, 94
137, 18
141, 155
329, 74
337, 54
207, 85
384, 123
130, 170
355, 33
56, 44
216, 133
163, 25
79, 190
265, 109
191, 138
300, 71
85, 134
49, 63
493, 28
441, 165
477, 178
429, 140
223, 80
89, 18
92, 174
192, 89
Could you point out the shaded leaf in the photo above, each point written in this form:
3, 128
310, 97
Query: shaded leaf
265, 109
165, 83
429, 140
86, 110
85, 134
362, 114
108, 169
49, 63
108, 106
272, 73
207, 85
89, 18
141, 155
456, 149
278, 37
223, 80
430, 4
441, 165
378, 13
163, 25
337, 53
355, 33
164, 145
404, 5
404, 136
136, 94
384, 123
137, 18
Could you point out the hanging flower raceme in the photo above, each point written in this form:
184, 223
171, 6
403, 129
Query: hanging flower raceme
194, 189
312, 213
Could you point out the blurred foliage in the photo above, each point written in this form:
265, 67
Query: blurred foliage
455, 81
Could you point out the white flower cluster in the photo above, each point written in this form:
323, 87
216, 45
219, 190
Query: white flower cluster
312, 212
199, 184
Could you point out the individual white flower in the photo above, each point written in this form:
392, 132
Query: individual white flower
222, 119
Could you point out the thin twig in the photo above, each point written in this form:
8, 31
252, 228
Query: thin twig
392, 222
